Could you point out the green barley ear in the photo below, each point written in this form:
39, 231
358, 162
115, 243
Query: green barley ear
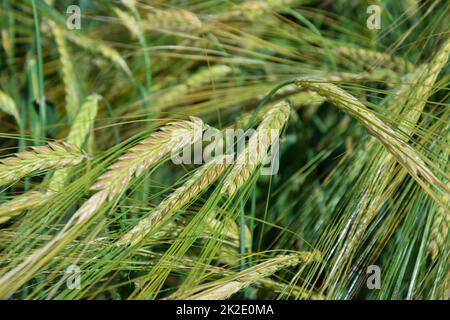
97, 47
81, 127
372, 59
258, 146
252, 9
128, 21
409, 102
84, 121
297, 100
437, 241
226, 287
439, 231
146, 154
406, 155
21, 203
8, 106
171, 19
200, 180
53, 156
70, 81
195, 81
423, 87
171, 138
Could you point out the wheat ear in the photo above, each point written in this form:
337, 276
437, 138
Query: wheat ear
80, 129
171, 19
68, 72
21, 203
439, 231
252, 9
170, 138
251, 157
8, 106
200, 180
419, 93
200, 78
78, 132
53, 156
291, 291
96, 47
437, 241
412, 97
373, 58
225, 288
406, 155
128, 21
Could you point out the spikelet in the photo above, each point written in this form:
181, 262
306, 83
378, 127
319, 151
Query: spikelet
252, 156
8, 106
68, 72
200, 180
82, 126
171, 19
200, 78
407, 156
171, 138
225, 288
53, 156
374, 59
26, 201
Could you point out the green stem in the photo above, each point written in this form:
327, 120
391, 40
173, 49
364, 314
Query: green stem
147, 61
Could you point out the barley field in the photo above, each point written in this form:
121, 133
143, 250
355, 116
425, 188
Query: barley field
206, 149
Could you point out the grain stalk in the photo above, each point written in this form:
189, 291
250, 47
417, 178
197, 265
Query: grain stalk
53, 156
251, 157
